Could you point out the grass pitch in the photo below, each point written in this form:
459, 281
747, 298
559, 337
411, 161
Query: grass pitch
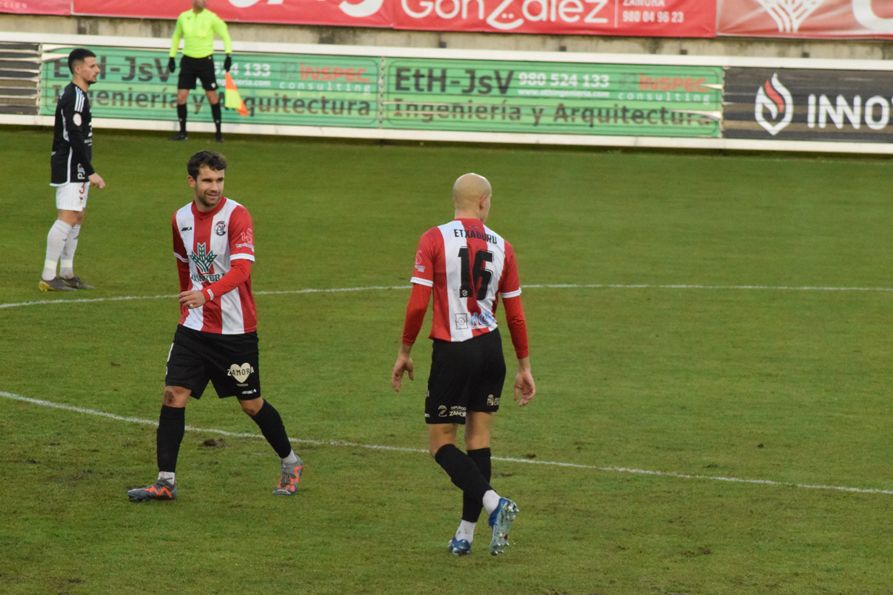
711, 380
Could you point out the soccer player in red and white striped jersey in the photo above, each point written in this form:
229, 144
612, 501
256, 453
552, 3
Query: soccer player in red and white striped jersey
220, 241
467, 267
216, 340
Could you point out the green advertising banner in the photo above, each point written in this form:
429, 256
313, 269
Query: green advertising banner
281, 89
549, 97
430, 94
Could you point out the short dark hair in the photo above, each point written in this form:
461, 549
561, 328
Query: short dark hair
78, 55
212, 160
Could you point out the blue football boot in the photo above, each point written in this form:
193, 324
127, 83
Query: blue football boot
501, 522
459, 547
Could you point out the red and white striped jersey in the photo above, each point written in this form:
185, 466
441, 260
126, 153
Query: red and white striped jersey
469, 266
208, 243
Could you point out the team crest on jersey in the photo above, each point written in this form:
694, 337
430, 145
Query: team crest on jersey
203, 258
220, 228
240, 373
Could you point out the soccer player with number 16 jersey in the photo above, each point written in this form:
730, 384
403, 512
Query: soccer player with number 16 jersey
467, 266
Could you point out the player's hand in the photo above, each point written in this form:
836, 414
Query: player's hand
96, 180
403, 364
228, 63
172, 64
192, 299
525, 387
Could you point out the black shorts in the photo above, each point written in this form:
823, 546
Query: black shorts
229, 362
197, 68
466, 376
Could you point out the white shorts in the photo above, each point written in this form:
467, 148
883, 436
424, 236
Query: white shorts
72, 197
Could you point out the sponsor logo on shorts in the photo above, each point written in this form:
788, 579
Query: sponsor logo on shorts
240, 373
492, 401
454, 411
251, 391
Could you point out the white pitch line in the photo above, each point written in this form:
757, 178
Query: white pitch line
312, 290
789, 288
383, 447
130, 298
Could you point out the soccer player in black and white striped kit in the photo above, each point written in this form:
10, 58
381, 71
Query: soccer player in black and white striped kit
72, 173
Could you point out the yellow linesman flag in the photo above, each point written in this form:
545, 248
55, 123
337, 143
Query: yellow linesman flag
232, 99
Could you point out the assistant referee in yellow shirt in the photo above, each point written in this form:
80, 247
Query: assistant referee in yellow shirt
197, 27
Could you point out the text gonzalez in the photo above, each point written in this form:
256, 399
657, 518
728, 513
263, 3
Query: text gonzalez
511, 14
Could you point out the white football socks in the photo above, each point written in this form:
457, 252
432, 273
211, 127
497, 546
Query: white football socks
465, 531
292, 459
56, 239
66, 263
491, 501
168, 476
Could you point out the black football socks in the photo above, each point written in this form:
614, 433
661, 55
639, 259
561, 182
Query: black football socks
270, 423
215, 113
181, 116
463, 472
171, 426
471, 507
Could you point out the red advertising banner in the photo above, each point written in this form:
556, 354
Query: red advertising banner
806, 18
366, 13
647, 18
36, 6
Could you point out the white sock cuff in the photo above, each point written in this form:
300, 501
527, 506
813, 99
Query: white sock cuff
291, 459
465, 530
491, 501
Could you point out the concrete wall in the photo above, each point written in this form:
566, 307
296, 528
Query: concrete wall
861, 50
